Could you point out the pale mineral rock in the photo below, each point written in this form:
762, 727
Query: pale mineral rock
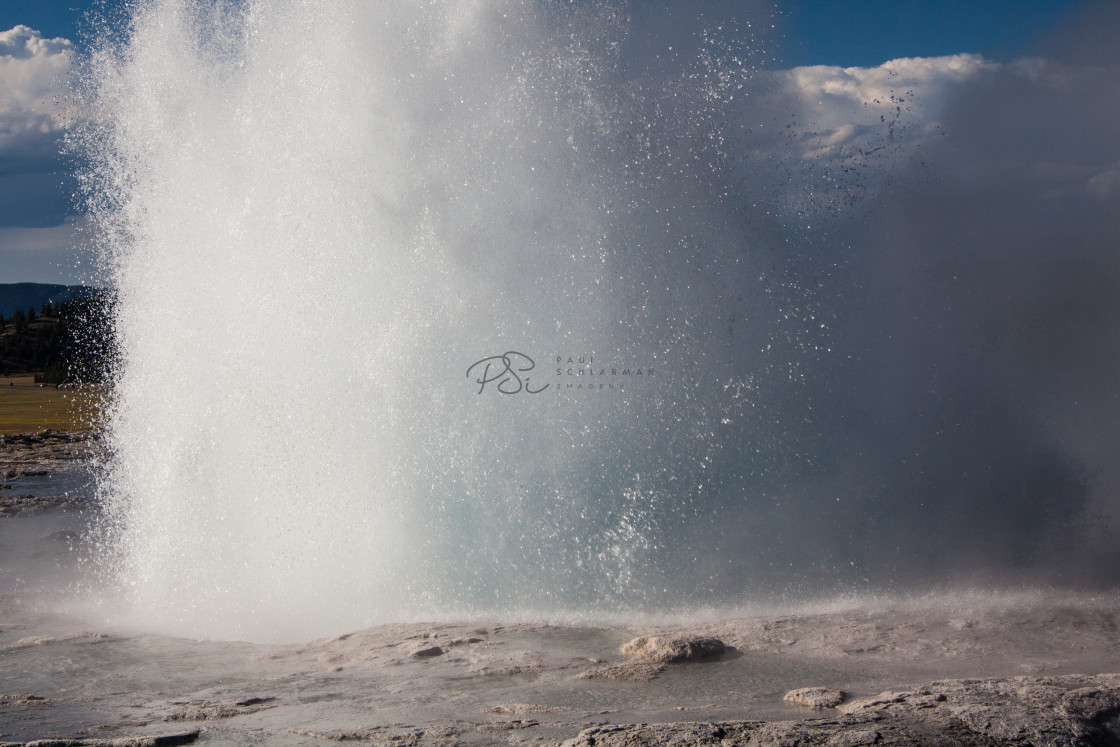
149, 740
631, 671
815, 697
664, 650
519, 709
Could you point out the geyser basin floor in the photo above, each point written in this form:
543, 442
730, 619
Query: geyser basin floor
65, 674
499, 683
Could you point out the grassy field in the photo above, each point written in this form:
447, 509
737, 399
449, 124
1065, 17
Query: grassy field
27, 407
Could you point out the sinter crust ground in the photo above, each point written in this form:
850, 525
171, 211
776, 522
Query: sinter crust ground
1017, 669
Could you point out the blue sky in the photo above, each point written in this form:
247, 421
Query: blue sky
818, 32
868, 32
37, 211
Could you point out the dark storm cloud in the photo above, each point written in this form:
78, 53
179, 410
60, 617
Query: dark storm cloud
35, 199
979, 412
935, 396
665, 38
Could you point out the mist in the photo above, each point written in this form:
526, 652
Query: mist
963, 426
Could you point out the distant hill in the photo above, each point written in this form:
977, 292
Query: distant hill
22, 295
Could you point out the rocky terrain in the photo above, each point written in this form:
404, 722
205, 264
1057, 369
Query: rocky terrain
960, 668
527, 683
1039, 711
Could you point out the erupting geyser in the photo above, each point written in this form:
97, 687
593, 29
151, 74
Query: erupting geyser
455, 307
317, 217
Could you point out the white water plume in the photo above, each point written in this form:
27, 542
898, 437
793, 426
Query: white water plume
316, 217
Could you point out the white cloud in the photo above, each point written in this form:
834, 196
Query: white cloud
860, 85
847, 112
822, 138
32, 80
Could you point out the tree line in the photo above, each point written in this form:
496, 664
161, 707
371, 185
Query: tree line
66, 342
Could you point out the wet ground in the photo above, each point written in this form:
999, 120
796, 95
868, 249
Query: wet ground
67, 673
